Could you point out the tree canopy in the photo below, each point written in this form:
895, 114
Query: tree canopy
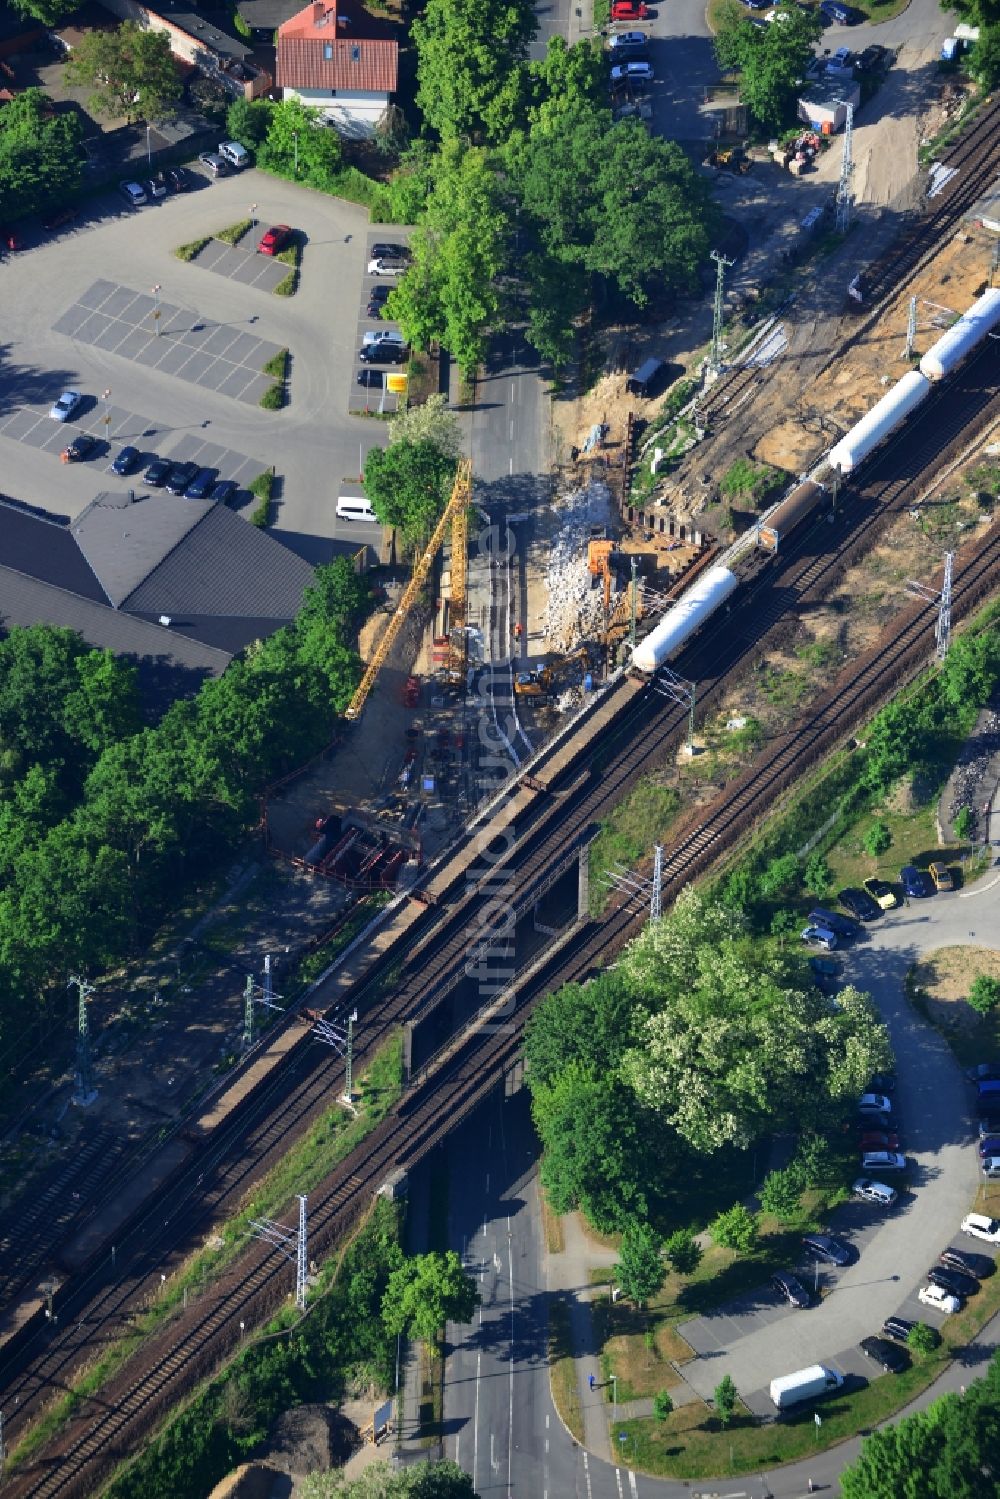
132, 70
300, 142
49, 12
771, 60
408, 484
427, 1291
442, 1480
471, 78
40, 158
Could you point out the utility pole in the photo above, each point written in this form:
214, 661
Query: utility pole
911, 328
293, 1244
348, 1091
943, 632
656, 895
634, 602
248, 1015
301, 1258
845, 199
715, 353
85, 1090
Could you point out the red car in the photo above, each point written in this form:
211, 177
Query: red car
630, 10
877, 1140
275, 239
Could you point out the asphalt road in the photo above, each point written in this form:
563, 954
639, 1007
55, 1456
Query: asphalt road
314, 445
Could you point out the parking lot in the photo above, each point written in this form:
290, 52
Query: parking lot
78, 311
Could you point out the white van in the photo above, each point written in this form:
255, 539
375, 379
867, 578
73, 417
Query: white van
804, 1384
236, 155
354, 507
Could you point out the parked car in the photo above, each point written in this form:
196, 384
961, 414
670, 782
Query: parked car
629, 10
826, 1247
202, 484
835, 14
954, 1281
156, 187
225, 492
63, 409
180, 477
757, 4
626, 39
234, 154
133, 193
377, 298
382, 249
384, 336
874, 1103
845, 928
978, 1226
873, 1192
628, 72
991, 1166
886, 1124
58, 218
860, 904
938, 1298
888, 1357
383, 352
883, 1160
127, 462
842, 59
878, 1139
898, 1328
370, 378
179, 179
984, 1072
275, 239
81, 447
881, 1082
882, 892
941, 875
873, 59
989, 1145
215, 164
388, 265
825, 972
978, 1265
156, 474
915, 882
819, 936
790, 1288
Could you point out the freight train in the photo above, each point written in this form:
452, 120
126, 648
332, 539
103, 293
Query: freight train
701, 601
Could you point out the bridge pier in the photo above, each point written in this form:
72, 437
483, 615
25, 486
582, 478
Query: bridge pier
583, 884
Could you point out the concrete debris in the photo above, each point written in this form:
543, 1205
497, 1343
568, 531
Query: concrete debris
574, 608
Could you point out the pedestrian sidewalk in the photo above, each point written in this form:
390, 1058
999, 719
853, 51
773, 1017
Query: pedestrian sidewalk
568, 1274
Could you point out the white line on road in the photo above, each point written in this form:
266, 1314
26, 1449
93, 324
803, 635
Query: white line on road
633, 1486
964, 894
512, 431
618, 1475
512, 389
586, 1474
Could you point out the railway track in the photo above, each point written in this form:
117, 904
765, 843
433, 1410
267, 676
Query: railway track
259, 1284
260, 1131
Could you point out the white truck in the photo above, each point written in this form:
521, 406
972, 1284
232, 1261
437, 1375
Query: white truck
804, 1384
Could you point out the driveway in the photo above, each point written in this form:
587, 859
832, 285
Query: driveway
933, 1101
313, 444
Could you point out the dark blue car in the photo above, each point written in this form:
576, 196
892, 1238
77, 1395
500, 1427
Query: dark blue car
915, 882
127, 461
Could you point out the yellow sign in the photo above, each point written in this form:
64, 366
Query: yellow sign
396, 383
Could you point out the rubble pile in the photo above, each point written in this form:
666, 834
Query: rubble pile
574, 608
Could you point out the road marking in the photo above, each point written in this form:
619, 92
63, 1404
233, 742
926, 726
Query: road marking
512, 429
618, 1476
964, 894
633, 1486
512, 388
586, 1474
510, 465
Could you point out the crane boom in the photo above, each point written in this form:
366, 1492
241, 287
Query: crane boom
460, 496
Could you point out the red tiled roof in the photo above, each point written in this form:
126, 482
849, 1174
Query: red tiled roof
355, 64
311, 54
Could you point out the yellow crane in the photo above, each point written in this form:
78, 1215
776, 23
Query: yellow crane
459, 503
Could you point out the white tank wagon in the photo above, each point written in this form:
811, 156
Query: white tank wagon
687, 616
885, 416
944, 357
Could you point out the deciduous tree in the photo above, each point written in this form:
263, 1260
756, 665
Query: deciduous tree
131, 69
724, 1400
736, 1228
771, 60
408, 484
427, 1291
640, 1271
431, 422
471, 74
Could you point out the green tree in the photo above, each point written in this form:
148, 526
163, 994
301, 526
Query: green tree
471, 73
683, 1251
984, 994
736, 1228
983, 61
408, 484
814, 1163
963, 823
586, 1023
662, 1405
427, 1291
817, 876
440, 1480
299, 142
771, 60
49, 12
780, 877
429, 422
248, 121
724, 1400
780, 1193
131, 69
878, 839
640, 1272
565, 79
923, 1340
40, 157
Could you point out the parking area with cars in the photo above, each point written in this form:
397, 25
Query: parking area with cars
242, 263
379, 372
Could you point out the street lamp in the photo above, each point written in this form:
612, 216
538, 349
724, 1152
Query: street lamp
105, 397
295, 141
156, 310
253, 215
614, 1398
149, 148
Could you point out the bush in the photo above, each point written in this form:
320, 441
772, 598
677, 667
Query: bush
923, 1340
289, 286
877, 839
188, 252
662, 1405
725, 1400
736, 1228
780, 1192
277, 365
262, 487
749, 481
274, 396
682, 1251
963, 822
234, 232
984, 994
817, 877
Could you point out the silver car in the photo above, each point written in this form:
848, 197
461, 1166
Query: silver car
65, 406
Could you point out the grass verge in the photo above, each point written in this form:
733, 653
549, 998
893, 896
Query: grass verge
233, 233
562, 1370
263, 488
288, 286
277, 365
189, 251
333, 1136
635, 824
273, 398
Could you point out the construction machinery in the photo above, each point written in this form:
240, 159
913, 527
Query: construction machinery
539, 681
458, 503
730, 159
